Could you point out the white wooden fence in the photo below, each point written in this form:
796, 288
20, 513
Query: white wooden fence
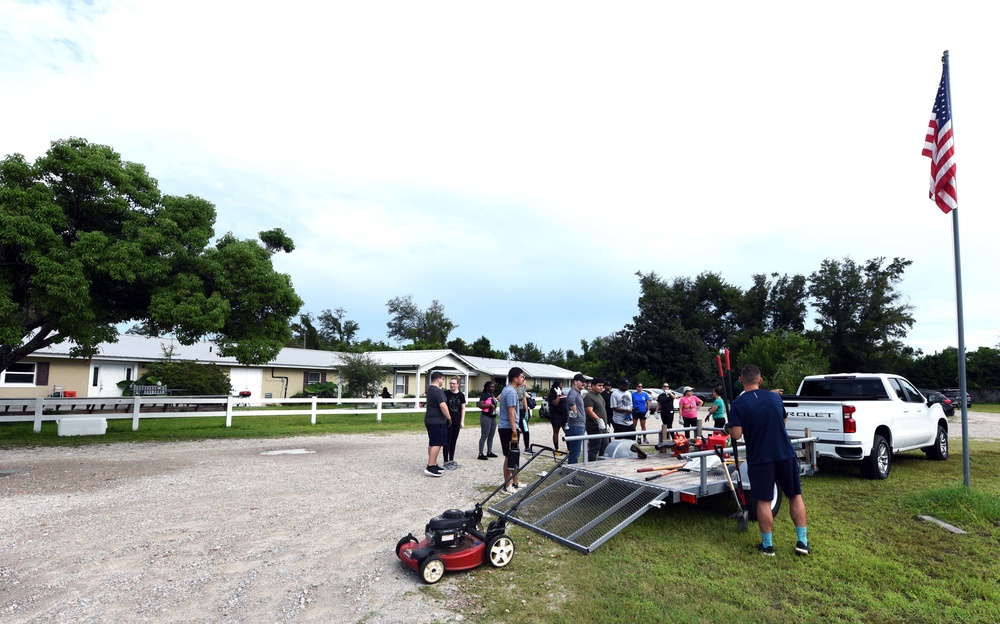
41, 409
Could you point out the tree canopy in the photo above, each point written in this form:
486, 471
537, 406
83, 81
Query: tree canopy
860, 316
88, 242
425, 329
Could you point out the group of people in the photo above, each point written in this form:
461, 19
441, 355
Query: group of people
756, 415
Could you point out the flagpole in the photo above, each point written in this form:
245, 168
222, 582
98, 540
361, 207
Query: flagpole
963, 392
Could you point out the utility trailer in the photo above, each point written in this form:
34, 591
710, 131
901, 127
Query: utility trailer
584, 505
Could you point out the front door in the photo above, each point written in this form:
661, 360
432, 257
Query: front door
247, 380
104, 379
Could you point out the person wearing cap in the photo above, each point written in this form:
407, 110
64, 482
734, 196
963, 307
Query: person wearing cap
576, 417
689, 405
621, 408
640, 408
666, 405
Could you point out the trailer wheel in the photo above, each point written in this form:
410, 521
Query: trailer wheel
499, 551
879, 463
752, 503
431, 570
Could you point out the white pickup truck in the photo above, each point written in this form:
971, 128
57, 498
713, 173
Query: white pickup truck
867, 417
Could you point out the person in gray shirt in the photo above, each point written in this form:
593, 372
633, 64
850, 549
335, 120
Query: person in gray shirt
576, 422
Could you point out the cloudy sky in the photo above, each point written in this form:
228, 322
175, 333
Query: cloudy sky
548, 149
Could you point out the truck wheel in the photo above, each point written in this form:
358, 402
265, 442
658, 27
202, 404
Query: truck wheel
877, 465
939, 450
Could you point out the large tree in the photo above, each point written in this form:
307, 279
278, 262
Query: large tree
426, 329
336, 331
667, 338
861, 317
88, 242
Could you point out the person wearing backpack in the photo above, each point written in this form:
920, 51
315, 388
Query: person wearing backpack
487, 421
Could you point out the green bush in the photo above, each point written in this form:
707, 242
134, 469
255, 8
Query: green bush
188, 377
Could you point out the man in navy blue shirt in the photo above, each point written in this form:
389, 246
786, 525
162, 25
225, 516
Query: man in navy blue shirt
759, 416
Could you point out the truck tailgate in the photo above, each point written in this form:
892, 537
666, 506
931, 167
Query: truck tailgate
824, 419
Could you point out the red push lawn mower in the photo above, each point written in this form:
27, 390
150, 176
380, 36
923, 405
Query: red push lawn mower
455, 540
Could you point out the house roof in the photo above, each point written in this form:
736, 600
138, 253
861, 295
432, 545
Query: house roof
422, 358
138, 348
132, 347
500, 368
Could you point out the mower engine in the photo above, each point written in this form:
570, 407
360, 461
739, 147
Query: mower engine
450, 528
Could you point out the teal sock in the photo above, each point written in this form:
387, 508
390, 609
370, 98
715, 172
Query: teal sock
765, 540
800, 534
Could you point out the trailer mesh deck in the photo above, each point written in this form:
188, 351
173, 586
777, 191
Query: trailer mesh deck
579, 508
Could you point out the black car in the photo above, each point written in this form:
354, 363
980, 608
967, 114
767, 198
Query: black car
954, 394
936, 397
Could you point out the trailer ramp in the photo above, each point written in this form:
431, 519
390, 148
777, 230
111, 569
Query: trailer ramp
579, 508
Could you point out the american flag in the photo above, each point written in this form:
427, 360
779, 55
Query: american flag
939, 146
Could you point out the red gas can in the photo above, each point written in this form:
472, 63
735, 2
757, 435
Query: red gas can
718, 438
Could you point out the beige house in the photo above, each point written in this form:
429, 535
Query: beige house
53, 372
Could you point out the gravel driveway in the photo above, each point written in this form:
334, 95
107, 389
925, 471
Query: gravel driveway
222, 530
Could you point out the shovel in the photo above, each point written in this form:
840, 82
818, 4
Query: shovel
742, 516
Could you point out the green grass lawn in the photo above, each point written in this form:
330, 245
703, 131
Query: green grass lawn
872, 561
992, 408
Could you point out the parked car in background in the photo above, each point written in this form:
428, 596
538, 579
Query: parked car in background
933, 396
654, 394
703, 394
955, 394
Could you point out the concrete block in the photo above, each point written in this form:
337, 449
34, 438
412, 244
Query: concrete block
82, 426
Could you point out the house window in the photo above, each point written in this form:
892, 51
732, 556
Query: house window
312, 377
19, 373
400, 384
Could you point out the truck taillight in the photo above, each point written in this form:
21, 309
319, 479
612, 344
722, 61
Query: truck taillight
850, 425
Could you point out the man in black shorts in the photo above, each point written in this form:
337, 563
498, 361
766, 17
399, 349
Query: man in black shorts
759, 415
558, 412
437, 419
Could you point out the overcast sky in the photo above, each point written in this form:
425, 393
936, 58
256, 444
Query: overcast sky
549, 149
